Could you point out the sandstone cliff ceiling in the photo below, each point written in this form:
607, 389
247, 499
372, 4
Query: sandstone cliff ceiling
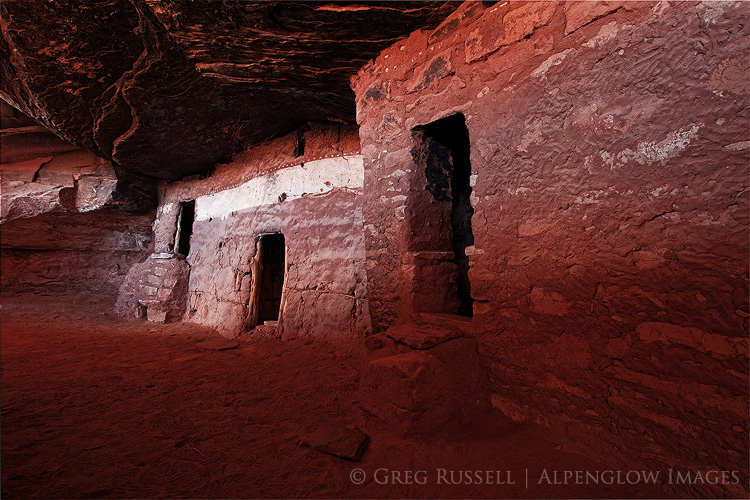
167, 88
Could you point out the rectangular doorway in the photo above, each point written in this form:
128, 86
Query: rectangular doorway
439, 211
185, 220
270, 273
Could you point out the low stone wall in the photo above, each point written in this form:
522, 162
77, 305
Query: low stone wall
155, 289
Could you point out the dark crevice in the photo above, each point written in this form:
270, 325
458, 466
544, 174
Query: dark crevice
299, 149
448, 174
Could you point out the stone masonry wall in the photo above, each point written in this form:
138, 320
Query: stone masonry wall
155, 289
609, 154
306, 185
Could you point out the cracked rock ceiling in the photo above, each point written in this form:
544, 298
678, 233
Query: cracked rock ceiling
168, 88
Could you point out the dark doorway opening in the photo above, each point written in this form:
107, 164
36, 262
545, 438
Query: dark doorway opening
299, 149
445, 151
272, 269
184, 227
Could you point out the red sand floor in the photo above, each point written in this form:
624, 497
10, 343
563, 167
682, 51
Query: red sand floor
93, 406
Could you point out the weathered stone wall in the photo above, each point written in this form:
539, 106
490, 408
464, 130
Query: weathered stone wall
609, 155
59, 230
65, 271
306, 185
64, 252
155, 289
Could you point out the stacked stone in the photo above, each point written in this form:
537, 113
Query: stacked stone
155, 289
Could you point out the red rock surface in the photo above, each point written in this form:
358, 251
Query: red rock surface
168, 89
425, 381
116, 409
345, 443
609, 162
63, 229
608, 255
55, 272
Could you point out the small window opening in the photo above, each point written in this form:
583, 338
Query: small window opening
271, 284
299, 149
184, 227
445, 152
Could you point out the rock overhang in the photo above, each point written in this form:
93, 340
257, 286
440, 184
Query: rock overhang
167, 89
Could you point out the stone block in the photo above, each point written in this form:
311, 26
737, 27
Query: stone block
156, 315
415, 392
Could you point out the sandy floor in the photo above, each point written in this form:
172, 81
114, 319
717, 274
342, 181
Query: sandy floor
94, 407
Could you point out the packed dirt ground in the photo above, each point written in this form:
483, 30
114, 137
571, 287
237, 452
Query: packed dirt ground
97, 407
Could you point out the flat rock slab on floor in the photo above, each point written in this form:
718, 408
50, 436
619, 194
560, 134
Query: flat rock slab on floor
341, 442
221, 344
418, 336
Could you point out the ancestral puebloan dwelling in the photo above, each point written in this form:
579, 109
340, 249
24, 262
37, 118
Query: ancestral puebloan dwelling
532, 210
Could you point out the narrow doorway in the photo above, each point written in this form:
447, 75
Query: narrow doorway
443, 151
184, 227
272, 269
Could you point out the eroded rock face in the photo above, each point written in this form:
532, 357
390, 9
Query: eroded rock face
168, 89
41, 173
75, 181
65, 271
59, 252
62, 226
609, 270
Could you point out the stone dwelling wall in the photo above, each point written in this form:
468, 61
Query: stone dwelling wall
308, 186
609, 155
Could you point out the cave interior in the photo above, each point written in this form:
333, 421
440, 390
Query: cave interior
358, 249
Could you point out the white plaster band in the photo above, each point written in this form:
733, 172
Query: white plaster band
311, 178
